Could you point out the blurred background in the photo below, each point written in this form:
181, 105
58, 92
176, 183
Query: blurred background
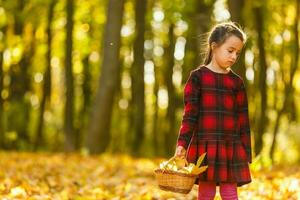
108, 75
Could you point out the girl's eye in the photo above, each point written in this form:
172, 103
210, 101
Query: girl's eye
230, 51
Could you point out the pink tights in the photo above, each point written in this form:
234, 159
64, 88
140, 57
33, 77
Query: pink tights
207, 191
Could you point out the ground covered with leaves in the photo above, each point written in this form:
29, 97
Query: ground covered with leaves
43, 176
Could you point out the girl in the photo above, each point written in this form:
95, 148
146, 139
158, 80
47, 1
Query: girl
215, 118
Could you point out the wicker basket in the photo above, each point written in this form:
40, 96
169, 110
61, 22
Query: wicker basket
174, 181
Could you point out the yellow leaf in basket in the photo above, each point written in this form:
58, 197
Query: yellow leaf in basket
184, 170
197, 170
163, 165
200, 159
180, 163
190, 167
187, 169
172, 167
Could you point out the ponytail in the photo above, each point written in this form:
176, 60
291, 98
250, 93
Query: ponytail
208, 57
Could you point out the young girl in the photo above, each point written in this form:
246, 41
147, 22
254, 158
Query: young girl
215, 118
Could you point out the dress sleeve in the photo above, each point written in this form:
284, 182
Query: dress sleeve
243, 120
191, 110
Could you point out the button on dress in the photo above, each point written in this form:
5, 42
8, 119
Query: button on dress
215, 120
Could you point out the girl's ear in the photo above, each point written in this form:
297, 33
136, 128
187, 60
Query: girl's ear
213, 46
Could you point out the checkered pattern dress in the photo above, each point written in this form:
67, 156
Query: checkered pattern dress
215, 121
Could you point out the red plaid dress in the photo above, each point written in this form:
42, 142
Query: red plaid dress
215, 121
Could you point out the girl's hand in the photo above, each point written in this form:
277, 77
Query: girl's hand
180, 152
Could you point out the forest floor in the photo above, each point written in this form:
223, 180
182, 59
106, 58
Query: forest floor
59, 176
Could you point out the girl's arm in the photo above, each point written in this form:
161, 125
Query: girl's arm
243, 120
191, 110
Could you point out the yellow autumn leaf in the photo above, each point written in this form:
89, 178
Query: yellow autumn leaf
163, 165
180, 163
17, 192
200, 159
197, 170
184, 170
190, 167
48, 176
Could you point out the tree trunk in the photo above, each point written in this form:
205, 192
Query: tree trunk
69, 112
149, 54
82, 121
98, 137
191, 51
47, 81
262, 119
1, 99
202, 23
18, 15
199, 25
137, 77
20, 84
119, 133
289, 90
86, 86
236, 8
169, 136
155, 133
86, 102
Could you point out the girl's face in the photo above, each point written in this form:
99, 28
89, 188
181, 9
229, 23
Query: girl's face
226, 55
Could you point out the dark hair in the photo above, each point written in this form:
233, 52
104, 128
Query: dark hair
219, 34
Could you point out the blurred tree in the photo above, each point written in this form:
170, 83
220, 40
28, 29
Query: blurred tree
87, 93
262, 120
98, 136
198, 15
168, 75
236, 9
288, 85
46, 92
19, 87
150, 53
2, 47
155, 130
137, 77
19, 16
86, 76
69, 107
